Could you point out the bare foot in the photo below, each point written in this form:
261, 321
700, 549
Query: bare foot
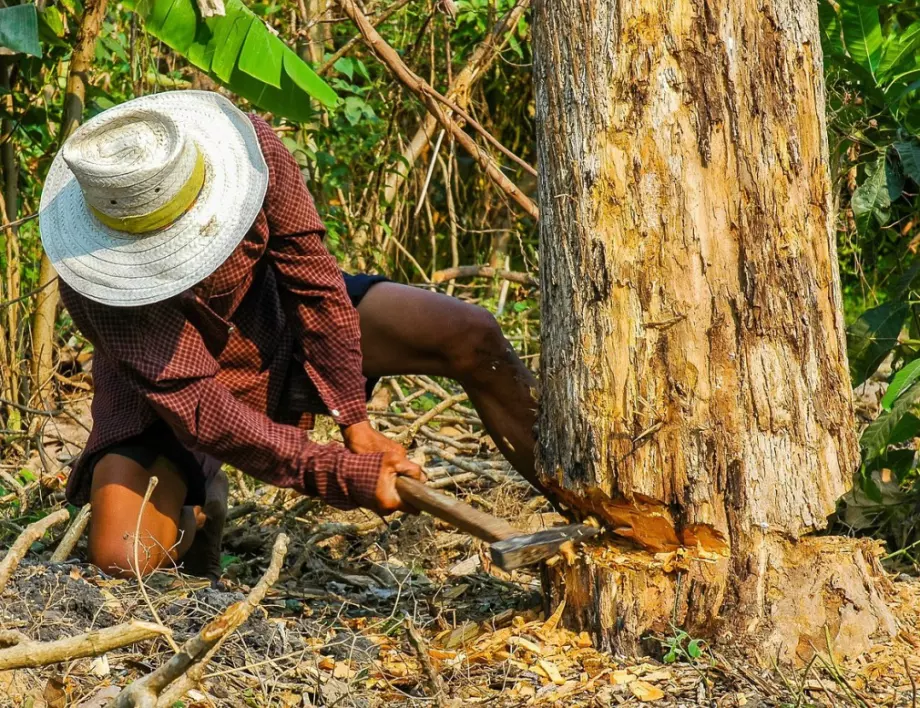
203, 556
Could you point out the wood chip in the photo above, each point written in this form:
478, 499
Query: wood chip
551, 671
621, 676
646, 692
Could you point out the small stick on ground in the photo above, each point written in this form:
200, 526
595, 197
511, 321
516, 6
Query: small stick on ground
21, 546
435, 683
28, 654
189, 663
71, 536
913, 684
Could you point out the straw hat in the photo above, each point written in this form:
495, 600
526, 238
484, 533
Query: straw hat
150, 197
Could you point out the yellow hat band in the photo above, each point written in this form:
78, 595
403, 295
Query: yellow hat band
164, 215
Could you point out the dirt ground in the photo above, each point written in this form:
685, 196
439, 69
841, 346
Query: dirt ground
336, 628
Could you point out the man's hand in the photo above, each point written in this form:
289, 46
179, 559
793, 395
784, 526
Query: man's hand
386, 498
362, 439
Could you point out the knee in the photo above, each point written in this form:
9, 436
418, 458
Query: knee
115, 555
477, 348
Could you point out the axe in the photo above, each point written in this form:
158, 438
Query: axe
510, 548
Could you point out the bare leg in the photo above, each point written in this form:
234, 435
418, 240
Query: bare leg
166, 530
169, 531
405, 330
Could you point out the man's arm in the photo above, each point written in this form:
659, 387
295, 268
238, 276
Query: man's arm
163, 357
324, 322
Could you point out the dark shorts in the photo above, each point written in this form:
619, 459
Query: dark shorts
159, 440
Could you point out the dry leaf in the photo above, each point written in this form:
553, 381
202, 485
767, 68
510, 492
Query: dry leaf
54, 693
326, 663
455, 592
646, 692
621, 676
99, 667
342, 670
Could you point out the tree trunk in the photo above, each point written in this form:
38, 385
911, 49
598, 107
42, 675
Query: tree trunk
695, 394
46, 303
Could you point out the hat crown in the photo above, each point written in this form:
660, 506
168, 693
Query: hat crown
130, 164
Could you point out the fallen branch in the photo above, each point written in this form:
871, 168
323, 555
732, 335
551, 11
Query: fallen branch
71, 536
21, 546
483, 271
187, 666
28, 654
417, 85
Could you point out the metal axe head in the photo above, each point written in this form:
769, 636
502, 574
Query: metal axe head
530, 548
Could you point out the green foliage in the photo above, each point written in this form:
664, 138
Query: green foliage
19, 29
682, 647
241, 52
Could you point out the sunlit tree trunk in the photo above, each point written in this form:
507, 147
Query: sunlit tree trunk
695, 394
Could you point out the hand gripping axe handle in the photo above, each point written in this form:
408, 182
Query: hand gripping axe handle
510, 548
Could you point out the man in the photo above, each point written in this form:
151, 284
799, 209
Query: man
191, 256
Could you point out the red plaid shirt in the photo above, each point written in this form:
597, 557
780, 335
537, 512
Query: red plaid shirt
214, 361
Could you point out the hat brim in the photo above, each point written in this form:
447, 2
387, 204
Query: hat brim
117, 269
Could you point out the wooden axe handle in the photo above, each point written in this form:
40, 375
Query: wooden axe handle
455, 512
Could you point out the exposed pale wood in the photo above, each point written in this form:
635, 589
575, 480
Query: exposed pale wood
694, 377
28, 654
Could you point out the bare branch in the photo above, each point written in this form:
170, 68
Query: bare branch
71, 536
28, 654
21, 546
388, 56
482, 271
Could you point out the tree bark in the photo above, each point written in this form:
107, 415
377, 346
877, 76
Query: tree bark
46, 304
695, 394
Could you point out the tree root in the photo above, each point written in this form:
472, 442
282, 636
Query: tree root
185, 669
28, 654
21, 546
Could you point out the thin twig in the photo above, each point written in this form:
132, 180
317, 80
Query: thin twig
19, 489
434, 161
151, 485
414, 427
388, 56
913, 684
384, 16
435, 683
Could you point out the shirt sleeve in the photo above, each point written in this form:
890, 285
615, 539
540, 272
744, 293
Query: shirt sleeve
164, 358
324, 321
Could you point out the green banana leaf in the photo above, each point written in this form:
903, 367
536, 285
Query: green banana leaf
239, 51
